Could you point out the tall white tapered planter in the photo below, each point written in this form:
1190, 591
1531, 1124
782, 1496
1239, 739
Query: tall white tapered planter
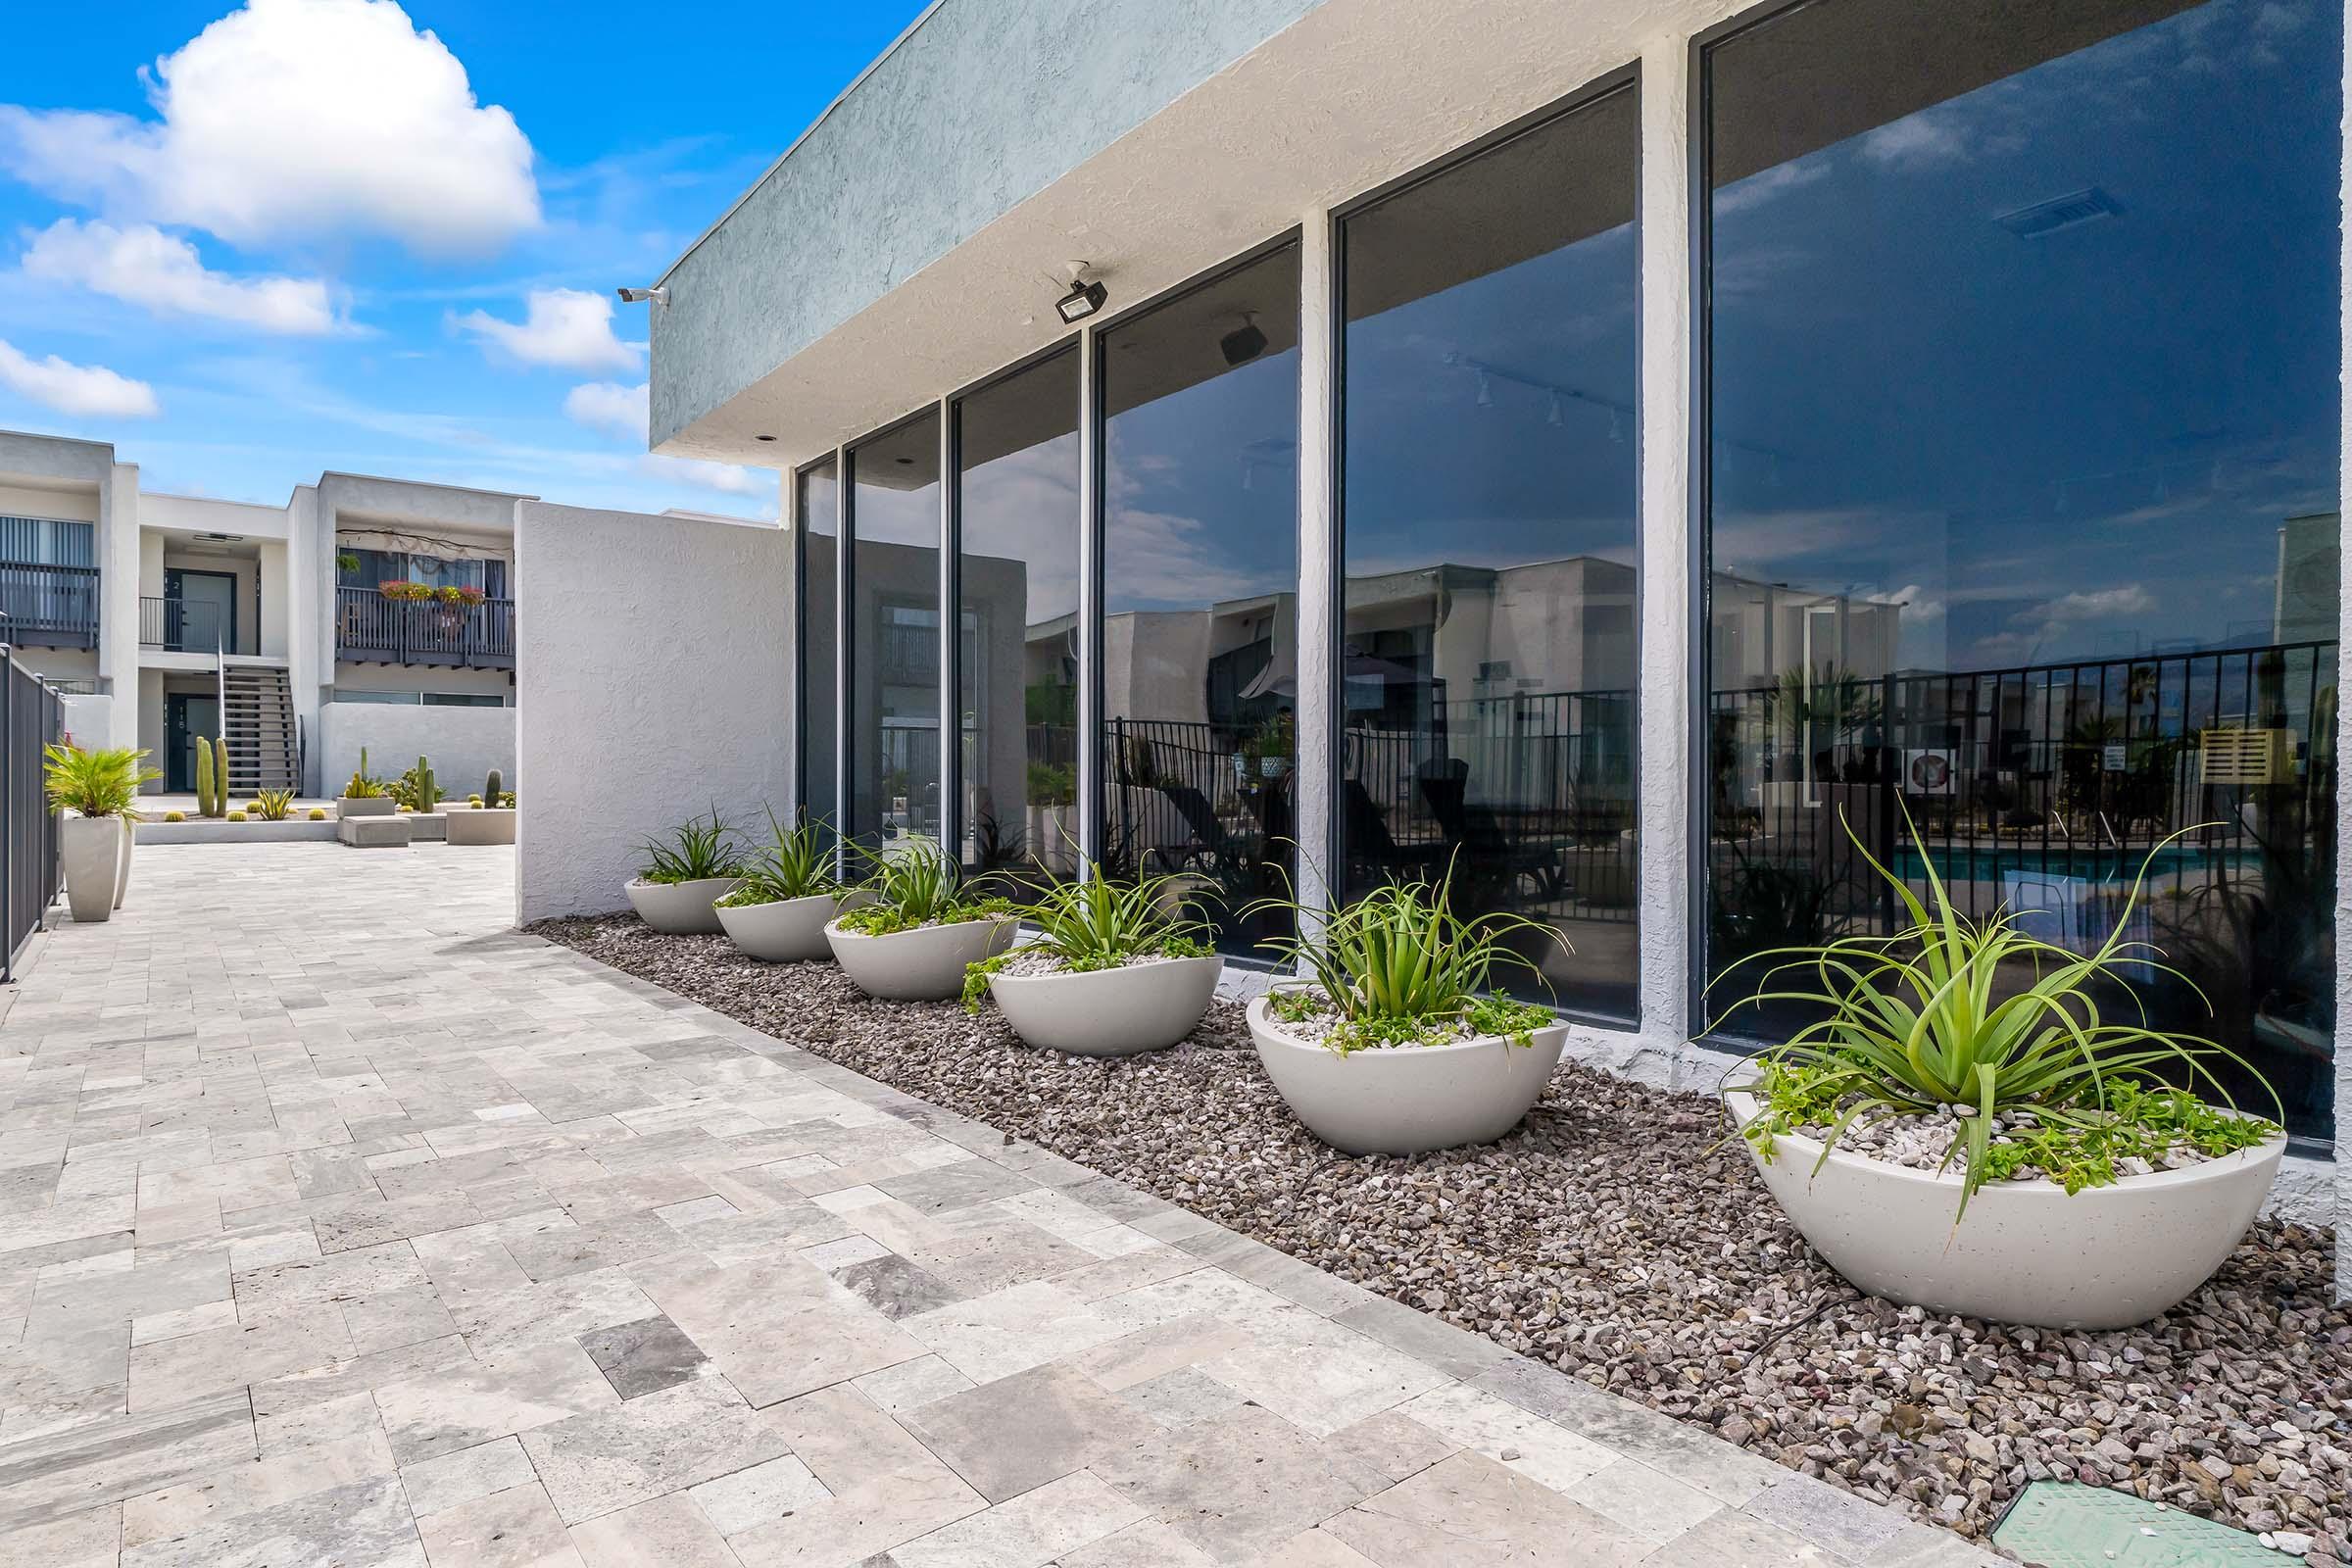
90, 850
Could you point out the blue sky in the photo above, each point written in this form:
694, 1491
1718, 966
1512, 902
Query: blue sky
250, 244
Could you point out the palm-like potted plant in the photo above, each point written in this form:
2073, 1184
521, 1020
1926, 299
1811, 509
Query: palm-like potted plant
789, 891
1396, 1044
1964, 1128
1115, 969
683, 876
95, 791
920, 929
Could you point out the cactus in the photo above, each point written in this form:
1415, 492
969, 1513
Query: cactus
428, 791
220, 774
204, 777
493, 787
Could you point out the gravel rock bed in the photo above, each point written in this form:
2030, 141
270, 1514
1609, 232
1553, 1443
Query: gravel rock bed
1925, 1143
1617, 1237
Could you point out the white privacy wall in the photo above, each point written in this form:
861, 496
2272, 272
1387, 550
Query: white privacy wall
654, 664
462, 743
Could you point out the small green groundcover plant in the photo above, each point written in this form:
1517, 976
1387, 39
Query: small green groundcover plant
1911, 1026
918, 885
1103, 925
795, 863
700, 849
1400, 967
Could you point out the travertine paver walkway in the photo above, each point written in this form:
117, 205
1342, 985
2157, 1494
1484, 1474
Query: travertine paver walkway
339, 1224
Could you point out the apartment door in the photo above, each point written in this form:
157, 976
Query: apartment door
186, 715
200, 610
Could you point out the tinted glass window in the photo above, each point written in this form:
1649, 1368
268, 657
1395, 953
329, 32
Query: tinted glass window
894, 662
2023, 476
819, 519
1200, 575
1488, 659
1018, 508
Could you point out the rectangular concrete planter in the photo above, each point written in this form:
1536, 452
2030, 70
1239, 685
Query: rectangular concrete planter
220, 830
425, 827
374, 832
480, 825
366, 805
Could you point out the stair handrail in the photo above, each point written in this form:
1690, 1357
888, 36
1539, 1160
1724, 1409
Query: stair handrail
221, 701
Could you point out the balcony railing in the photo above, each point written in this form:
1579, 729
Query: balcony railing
181, 625
370, 628
48, 607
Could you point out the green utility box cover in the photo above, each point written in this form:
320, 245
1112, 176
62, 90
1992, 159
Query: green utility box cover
2061, 1524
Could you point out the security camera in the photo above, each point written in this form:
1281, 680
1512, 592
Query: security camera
637, 296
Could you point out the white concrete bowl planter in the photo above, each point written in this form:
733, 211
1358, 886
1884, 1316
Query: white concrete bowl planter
480, 824
1411, 1099
680, 909
2104, 1258
366, 805
785, 930
1108, 1012
925, 964
89, 850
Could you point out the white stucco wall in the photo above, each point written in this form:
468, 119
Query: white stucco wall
671, 695
463, 742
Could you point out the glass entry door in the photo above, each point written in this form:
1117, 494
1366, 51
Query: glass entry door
186, 715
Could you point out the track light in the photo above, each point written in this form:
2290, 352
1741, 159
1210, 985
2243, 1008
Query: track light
659, 294
1245, 342
1084, 299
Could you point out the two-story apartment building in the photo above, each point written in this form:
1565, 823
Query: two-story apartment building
364, 612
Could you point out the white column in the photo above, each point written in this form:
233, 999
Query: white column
1667, 700
1090, 606
1317, 621
951, 641
116, 541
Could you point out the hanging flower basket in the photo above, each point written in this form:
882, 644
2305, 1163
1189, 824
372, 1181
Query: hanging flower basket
413, 592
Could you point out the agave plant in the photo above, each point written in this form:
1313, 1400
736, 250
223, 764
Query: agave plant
700, 849
914, 886
1100, 925
795, 863
1399, 966
1911, 1026
271, 806
101, 783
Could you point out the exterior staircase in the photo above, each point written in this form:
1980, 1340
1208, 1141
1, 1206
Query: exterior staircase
256, 719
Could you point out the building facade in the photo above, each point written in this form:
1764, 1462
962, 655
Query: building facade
364, 611
1651, 458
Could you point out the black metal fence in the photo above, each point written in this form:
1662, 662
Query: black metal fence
31, 716
49, 606
181, 625
373, 629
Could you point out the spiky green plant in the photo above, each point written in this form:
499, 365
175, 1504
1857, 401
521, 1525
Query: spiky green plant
100, 783
493, 787
220, 774
702, 849
918, 885
1911, 1025
271, 806
795, 863
208, 791
1101, 924
1399, 968
364, 785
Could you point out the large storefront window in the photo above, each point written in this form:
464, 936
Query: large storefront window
1486, 671
1018, 507
894, 636
1199, 646
818, 516
2023, 478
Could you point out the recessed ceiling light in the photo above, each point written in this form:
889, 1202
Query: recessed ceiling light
763, 438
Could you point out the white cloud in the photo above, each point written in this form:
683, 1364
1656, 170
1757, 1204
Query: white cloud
69, 388
610, 406
2130, 599
1917, 141
293, 119
145, 266
566, 327
724, 477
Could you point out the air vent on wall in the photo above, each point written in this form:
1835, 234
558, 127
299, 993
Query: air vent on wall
2060, 212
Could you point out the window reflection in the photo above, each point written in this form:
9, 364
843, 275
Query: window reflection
1488, 666
1199, 648
819, 519
2024, 474
1017, 451
894, 630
